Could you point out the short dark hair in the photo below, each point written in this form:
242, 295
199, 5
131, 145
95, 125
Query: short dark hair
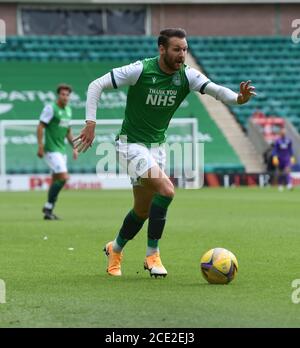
166, 34
63, 86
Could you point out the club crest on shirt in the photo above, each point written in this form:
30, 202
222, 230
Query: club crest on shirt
153, 79
176, 80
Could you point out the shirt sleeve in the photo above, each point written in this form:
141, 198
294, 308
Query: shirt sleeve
126, 75
221, 93
200, 83
94, 92
47, 114
197, 81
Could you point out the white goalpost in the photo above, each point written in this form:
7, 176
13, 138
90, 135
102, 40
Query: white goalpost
18, 147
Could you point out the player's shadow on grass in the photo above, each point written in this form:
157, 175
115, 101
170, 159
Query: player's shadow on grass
105, 279
141, 277
138, 279
204, 285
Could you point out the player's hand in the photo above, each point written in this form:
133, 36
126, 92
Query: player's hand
75, 154
246, 92
293, 160
86, 137
275, 161
40, 152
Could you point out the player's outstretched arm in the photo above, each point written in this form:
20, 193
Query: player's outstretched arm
40, 136
126, 75
87, 135
246, 92
200, 83
228, 96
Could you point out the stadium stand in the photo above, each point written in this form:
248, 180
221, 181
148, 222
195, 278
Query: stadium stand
272, 63
77, 48
78, 60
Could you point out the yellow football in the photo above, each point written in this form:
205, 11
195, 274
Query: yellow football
219, 266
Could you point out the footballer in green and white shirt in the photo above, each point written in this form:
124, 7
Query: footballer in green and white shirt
55, 121
157, 86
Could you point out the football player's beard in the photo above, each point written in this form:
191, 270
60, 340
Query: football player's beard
63, 102
169, 64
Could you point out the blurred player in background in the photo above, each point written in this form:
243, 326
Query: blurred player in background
55, 120
283, 160
157, 86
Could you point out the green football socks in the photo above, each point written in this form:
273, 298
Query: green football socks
157, 221
131, 226
54, 190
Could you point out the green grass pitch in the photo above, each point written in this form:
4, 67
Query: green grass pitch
48, 285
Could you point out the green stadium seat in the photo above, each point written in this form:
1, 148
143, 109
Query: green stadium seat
77, 48
271, 62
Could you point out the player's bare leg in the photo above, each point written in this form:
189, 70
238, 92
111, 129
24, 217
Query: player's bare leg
58, 182
151, 200
143, 197
156, 180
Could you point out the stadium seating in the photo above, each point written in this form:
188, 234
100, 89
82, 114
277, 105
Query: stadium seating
77, 48
25, 60
272, 63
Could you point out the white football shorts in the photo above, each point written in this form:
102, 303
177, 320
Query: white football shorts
57, 162
137, 159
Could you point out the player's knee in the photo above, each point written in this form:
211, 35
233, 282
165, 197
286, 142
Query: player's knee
167, 190
64, 177
61, 177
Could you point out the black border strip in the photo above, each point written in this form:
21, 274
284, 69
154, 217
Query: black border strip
203, 87
113, 79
